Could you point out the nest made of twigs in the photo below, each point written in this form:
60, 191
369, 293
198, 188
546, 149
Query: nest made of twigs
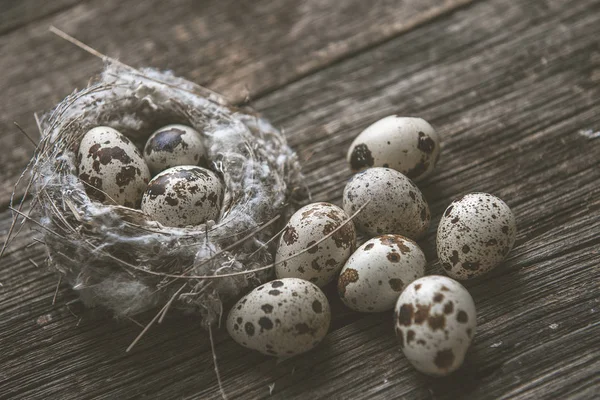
118, 257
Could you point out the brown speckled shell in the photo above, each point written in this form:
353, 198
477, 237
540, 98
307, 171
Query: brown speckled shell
183, 196
435, 320
378, 271
174, 145
475, 234
396, 205
321, 263
281, 318
112, 167
407, 144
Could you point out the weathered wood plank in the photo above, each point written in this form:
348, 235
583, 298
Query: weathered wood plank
17, 13
238, 48
512, 87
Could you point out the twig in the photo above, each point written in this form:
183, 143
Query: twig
33, 205
25, 134
236, 243
262, 246
14, 221
253, 233
38, 123
72, 313
30, 165
302, 251
143, 332
35, 242
214, 354
166, 307
100, 190
135, 322
57, 212
56, 291
216, 97
35, 222
76, 42
250, 271
34, 263
147, 327
10, 236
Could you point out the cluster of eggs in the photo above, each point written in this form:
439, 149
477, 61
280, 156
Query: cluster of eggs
434, 316
169, 181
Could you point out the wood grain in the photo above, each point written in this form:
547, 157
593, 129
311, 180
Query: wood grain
239, 48
512, 86
17, 13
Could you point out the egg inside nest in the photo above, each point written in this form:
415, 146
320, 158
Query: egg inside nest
174, 145
112, 167
183, 195
115, 172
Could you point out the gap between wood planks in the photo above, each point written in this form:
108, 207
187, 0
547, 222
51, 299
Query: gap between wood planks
428, 18
11, 18
356, 43
543, 282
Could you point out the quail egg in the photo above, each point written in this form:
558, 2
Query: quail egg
435, 321
378, 271
408, 145
174, 145
396, 205
322, 262
184, 195
112, 168
281, 318
475, 234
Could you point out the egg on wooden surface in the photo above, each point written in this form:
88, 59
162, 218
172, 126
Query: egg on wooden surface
174, 145
475, 234
378, 271
407, 144
281, 318
435, 320
183, 196
111, 167
322, 262
396, 205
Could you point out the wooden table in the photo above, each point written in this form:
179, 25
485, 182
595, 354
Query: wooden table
513, 87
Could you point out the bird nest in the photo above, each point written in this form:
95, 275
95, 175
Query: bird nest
121, 259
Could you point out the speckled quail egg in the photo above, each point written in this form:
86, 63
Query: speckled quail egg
378, 271
406, 144
435, 320
174, 145
396, 204
282, 318
475, 234
184, 195
322, 262
112, 167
